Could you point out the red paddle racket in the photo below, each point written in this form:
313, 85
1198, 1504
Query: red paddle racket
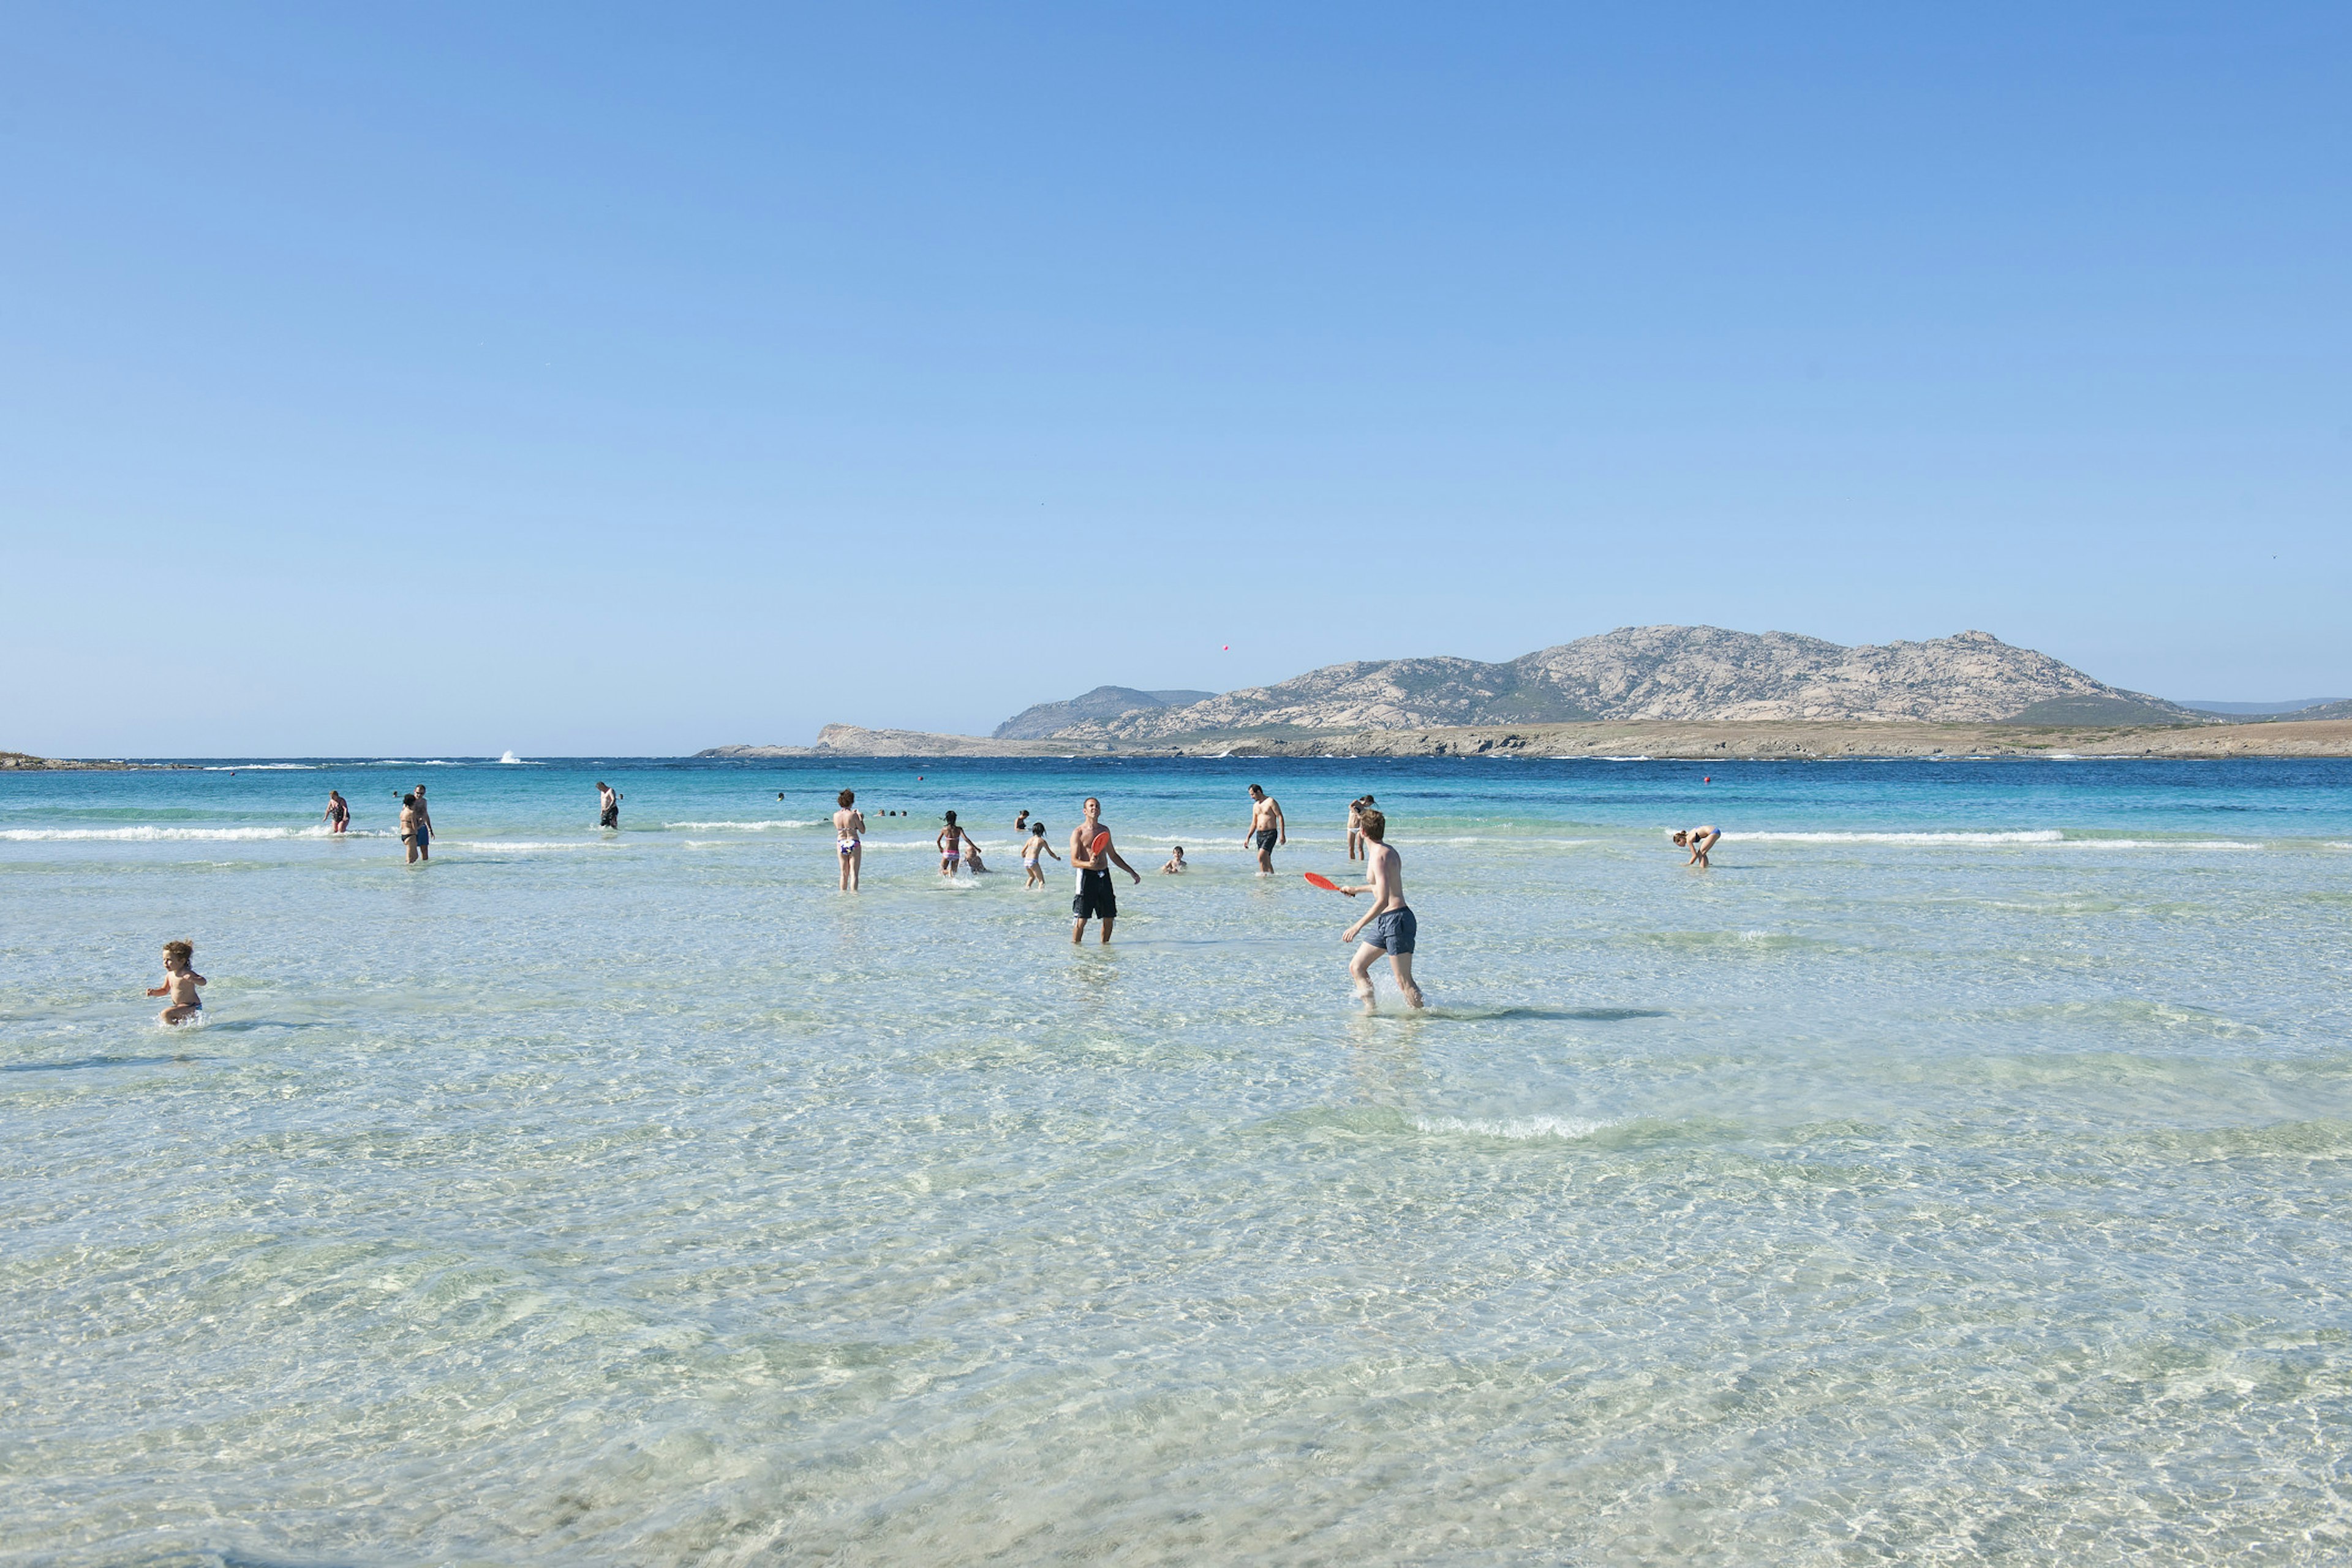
1101, 843
1318, 878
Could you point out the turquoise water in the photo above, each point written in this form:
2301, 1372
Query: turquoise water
1959, 1171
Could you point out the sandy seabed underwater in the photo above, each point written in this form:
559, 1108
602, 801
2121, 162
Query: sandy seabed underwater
1959, 1171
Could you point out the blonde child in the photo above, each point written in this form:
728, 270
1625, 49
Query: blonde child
180, 982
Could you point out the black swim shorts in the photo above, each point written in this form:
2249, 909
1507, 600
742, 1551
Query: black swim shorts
1096, 900
1264, 838
1393, 930
612, 817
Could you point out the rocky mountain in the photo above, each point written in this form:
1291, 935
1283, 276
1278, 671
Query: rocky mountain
1103, 703
1688, 673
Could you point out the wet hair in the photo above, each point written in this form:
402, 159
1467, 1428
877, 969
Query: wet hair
1374, 825
183, 951
951, 816
1681, 838
848, 795
408, 800
1038, 829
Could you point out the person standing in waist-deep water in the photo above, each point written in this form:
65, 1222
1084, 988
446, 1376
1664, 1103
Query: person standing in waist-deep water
1698, 841
1268, 828
1096, 899
849, 838
339, 812
608, 805
1388, 925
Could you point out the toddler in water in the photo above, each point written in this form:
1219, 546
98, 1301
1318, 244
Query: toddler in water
1175, 865
1031, 850
180, 982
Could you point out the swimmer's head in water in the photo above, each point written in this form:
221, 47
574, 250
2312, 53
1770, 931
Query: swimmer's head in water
848, 795
1375, 825
179, 954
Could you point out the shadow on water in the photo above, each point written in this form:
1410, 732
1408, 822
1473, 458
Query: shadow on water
95, 1062
1579, 1015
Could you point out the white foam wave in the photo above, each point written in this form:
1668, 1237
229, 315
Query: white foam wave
2038, 835
2160, 844
744, 826
1517, 1128
261, 767
159, 834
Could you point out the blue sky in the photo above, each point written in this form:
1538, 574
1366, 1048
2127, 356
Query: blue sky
580, 380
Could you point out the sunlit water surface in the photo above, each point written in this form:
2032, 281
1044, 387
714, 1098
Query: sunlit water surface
1960, 1170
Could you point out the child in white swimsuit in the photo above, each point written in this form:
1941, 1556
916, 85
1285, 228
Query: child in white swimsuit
1032, 851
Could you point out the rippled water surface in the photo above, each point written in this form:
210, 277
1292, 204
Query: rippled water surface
1959, 1170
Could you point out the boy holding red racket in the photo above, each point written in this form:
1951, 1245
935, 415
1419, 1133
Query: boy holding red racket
1388, 926
1091, 853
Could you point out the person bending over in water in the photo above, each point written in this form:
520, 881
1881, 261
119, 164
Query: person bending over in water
1388, 926
1096, 899
1175, 867
180, 982
1698, 841
850, 837
1030, 853
339, 812
971, 861
950, 840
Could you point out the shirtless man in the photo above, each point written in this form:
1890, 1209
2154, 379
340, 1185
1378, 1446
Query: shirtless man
1698, 841
424, 825
1096, 899
1388, 925
608, 805
1268, 828
849, 838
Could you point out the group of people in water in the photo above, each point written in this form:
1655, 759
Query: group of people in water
1388, 926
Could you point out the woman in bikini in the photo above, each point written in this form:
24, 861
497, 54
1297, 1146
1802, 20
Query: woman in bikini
950, 841
1698, 841
850, 837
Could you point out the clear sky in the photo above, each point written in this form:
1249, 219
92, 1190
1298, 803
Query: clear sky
434, 379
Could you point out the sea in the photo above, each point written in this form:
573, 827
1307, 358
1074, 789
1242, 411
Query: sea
1957, 1170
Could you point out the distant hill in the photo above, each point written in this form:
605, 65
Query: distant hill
1688, 673
1104, 702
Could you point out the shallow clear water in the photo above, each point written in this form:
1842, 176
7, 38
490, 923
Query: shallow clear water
1959, 1170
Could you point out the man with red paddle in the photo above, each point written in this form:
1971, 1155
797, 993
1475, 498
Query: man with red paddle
1388, 926
1091, 853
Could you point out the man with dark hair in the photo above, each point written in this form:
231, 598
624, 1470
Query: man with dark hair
1388, 926
1096, 899
1268, 828
608, 805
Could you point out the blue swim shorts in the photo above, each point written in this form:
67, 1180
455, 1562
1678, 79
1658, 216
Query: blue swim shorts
1393, 930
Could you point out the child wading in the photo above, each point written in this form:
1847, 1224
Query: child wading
180, 982
1031, 853
1388, 925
